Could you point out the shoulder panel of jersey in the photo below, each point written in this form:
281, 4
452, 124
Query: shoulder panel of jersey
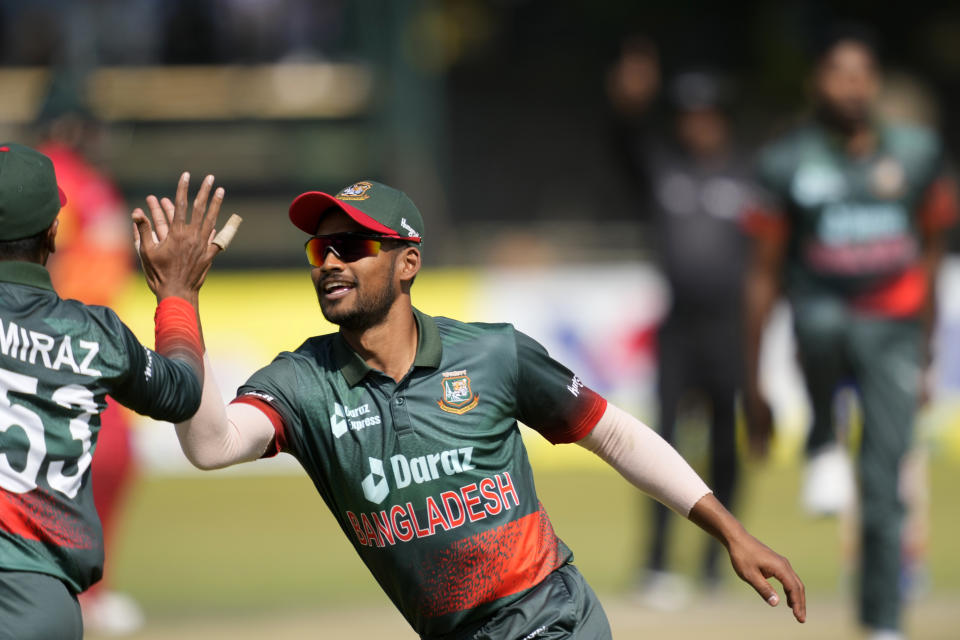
550, 398
106, 325
778, 160
912, 142
274, 388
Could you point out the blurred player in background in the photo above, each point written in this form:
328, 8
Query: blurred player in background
407, 425
58, 361
695, 183
852, 229
93, 263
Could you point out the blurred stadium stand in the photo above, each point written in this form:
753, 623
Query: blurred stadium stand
491, 114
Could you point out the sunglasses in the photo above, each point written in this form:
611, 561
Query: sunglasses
347, 246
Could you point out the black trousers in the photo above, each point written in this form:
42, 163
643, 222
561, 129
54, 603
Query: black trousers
699, 351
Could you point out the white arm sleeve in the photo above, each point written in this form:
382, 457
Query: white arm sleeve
641, 456
218, 436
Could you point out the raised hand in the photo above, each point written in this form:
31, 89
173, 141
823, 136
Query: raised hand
177, 253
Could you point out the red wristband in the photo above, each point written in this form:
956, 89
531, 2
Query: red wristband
176, 328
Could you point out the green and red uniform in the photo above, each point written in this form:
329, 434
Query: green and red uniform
854, 230
428, 477
58, 361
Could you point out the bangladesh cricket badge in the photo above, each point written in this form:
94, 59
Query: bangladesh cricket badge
356, 191
458, 396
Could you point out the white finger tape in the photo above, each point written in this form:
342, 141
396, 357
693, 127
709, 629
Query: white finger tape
225, 236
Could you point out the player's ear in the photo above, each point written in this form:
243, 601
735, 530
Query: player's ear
52, 235
408, 264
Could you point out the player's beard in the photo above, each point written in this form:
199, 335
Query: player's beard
845, 118
369, 309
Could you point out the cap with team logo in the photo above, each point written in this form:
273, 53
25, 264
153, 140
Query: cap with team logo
376, 207
29, 196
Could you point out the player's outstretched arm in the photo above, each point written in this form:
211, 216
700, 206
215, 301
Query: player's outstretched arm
645, 459
177, 253
218, 436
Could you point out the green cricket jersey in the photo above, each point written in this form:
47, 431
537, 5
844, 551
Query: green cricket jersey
854, 223
58, 361
429, 477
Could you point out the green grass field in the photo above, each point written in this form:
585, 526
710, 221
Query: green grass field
232, 556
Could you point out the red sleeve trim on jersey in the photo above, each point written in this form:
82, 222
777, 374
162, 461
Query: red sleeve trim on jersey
581, 428
767, 223
279, 442
939, 208
178, 332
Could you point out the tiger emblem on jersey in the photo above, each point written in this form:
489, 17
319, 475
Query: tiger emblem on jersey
458, 396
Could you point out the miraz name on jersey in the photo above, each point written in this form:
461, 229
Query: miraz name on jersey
53, 352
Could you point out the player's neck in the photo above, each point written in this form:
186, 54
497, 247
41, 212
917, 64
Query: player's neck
861, 141
389, 346
858, 138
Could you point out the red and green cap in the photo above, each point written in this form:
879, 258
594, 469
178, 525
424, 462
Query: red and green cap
376, 207
29, 196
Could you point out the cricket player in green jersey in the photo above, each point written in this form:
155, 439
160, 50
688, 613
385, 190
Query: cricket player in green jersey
853, 226
407, 425
59, 359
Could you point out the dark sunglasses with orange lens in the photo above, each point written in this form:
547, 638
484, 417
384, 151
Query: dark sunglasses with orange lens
347, 246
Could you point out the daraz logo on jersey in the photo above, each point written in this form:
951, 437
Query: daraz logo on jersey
344, 419
375, 487
417, 470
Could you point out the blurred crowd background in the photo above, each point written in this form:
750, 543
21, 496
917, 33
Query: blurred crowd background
499, 117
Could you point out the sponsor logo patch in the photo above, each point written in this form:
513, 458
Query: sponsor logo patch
417, 470
345, 419
374, 485
411, 232
356, 191
574, 387
266, 397
458, 396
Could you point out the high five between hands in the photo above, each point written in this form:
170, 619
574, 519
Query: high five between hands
177, 253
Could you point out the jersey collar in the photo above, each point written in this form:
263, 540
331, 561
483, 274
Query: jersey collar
429, 351
28, 273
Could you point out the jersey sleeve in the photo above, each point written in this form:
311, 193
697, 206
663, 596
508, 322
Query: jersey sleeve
766, 213
270, 390
550, 398
153, 385
938, 208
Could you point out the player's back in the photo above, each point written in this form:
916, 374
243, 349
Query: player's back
58, 361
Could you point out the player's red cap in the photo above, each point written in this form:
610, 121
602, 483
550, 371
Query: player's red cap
376, 207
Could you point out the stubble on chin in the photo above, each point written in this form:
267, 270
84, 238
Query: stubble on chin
365, 312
